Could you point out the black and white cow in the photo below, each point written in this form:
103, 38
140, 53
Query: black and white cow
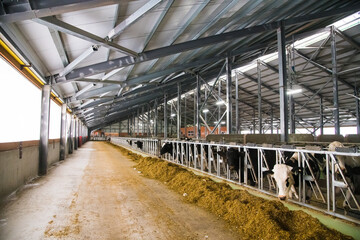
167, 148
350, 166
233, 158
129, 142
139, 144
286, 175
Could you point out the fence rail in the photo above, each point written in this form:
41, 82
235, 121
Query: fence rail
331, 191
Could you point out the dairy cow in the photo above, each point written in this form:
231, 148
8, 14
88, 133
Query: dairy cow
350, 166
286, 175
139, 144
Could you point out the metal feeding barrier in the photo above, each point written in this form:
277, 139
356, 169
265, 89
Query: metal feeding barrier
330, 190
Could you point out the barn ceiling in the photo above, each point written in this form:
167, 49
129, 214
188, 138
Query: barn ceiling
109, 59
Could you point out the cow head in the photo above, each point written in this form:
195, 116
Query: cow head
166, 148
283, 175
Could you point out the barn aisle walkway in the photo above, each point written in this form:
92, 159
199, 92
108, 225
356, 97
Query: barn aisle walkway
97, 194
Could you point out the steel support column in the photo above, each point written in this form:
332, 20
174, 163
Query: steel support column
282, 82
259, 97
156, 118
76, 127
219, 107
272, 120
138, 122
165, 116
148, 122
335, 82
63, 132
44, 129
228, 97
128, 126
71, 136
237, 123
321, 117
198, 96
178, 122
254, 121
142, 121
185, 116
356, 93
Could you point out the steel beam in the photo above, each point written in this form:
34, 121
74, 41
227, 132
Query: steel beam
165, 117
198, 98
335, 82
44, 129
348, 39
41, 8
206, 41
132, 18
181, 30
259, 97
323, 68
178, 122
63, 132
64, 27
78, 60
282, 82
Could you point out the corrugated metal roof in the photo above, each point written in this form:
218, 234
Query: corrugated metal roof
175, 39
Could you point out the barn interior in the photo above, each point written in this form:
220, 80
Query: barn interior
204, 74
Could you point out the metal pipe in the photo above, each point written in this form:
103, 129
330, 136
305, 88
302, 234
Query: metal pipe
44, 129
282, 82
259, 96
63, 132
165, 116
228, 97
335, 82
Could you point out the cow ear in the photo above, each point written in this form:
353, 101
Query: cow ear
269, 172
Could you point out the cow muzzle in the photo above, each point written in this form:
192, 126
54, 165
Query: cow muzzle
282, 197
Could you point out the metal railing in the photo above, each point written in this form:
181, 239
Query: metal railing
329, 190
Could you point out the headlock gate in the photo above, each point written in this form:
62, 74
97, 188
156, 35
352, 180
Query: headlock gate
330, 186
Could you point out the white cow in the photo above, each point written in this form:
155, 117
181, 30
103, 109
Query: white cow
283, 175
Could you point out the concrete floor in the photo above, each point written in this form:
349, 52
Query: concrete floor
97, 194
